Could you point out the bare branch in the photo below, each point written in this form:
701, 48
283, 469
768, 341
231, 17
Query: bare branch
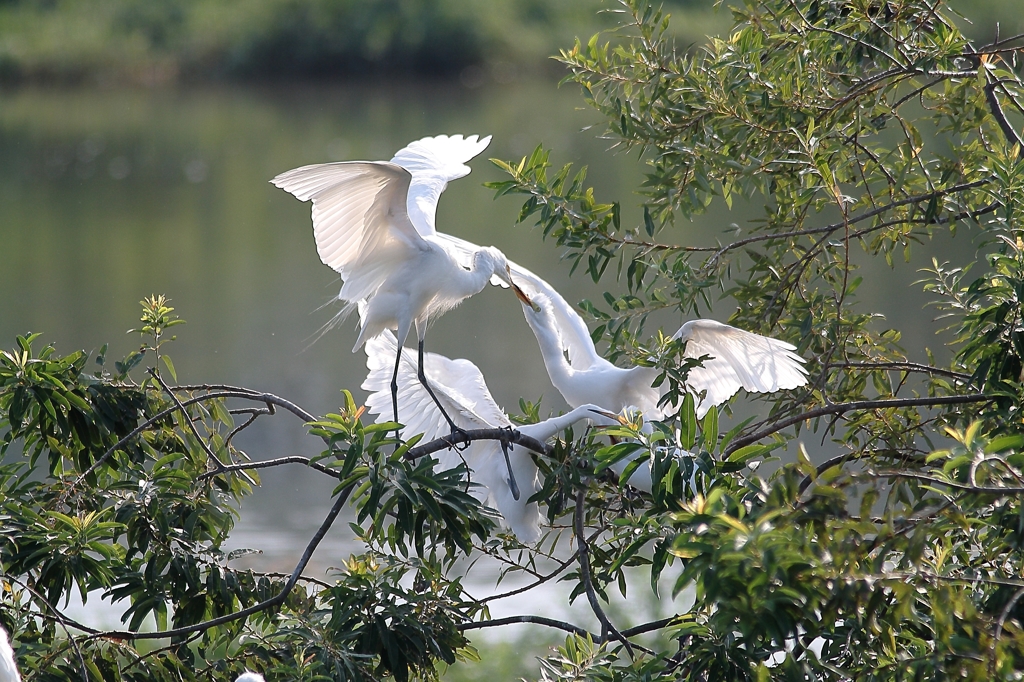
857, 405
649, 627
903, 367
997, 111
507, 436
276, 462
979, 489
227, 392
538, 620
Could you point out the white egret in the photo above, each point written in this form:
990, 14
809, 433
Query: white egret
373, 222
461, 389
738, 359
8, 666
249, 676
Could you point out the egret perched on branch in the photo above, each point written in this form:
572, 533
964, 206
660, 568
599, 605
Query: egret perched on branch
461, 389
373, 222
738, 359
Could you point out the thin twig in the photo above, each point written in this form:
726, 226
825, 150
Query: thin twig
64, 621
266, 464
979, 489
188, 420
832, 227
903, 367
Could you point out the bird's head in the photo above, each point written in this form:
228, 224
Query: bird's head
503, 272
538, 307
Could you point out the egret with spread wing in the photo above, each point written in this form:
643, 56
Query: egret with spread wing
460, 387
373, 222
737, 359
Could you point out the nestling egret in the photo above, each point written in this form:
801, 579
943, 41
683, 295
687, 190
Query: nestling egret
738, 359
8, 666
461, 389
373, 222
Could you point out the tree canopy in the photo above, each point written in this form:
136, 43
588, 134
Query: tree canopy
864, 128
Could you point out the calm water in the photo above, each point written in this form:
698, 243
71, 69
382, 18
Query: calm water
109, 196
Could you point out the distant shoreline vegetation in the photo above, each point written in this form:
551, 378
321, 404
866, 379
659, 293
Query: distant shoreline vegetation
152, 42
157, 42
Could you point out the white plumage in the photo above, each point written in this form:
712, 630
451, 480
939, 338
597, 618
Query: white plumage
739, 359
461, 389
8, 666
373, 222
249, 676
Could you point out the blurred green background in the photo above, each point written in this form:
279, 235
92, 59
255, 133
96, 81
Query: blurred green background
161, 41
157, 41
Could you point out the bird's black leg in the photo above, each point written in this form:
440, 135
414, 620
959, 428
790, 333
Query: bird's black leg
423, 380
512, 485
394, 387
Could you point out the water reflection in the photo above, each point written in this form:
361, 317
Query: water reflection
110, 196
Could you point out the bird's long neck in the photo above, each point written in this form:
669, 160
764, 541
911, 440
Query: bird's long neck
559, 369
549, 427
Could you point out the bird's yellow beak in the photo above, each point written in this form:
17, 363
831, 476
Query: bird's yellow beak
614, 416
521, 295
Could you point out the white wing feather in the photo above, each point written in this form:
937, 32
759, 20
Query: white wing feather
8, 666
739, 359
433, 163
360, 221
460, 387
458, 384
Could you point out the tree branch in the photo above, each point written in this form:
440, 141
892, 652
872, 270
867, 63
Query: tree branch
649, 627
227, 392
903, 367
583, 549
997, 112
832, 227
857, 405
188, 420
276, 600
538, 620
266, 464
507, 436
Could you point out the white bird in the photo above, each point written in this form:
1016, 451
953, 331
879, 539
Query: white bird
373, 222
249, 676
461, 389
738, 359
8, 666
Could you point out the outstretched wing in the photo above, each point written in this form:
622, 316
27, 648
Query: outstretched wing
739, 359
433, 163
458, 384
360, 221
